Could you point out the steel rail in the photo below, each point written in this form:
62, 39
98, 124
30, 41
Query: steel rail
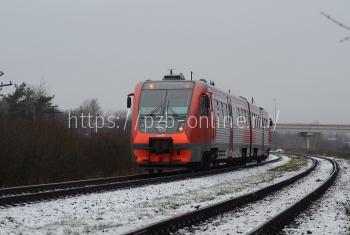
18, 199
194, 217
276, 223
80, 183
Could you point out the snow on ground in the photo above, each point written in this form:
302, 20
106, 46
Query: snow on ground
331, 213
245, 219
123, 210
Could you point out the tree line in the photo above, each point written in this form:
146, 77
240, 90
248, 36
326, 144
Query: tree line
37, 148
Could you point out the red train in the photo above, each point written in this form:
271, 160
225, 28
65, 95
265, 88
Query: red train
193, 124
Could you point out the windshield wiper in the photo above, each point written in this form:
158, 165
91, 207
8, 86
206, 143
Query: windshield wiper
156, 109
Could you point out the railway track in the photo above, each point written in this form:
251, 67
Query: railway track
272, 226
81, 183
27, 194
276, 224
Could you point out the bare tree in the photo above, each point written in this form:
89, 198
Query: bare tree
339, 24
90, 106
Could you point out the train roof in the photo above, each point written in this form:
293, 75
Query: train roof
211, 85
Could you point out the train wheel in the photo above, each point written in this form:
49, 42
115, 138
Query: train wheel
244, 157
259, 159
206, 161
195, 167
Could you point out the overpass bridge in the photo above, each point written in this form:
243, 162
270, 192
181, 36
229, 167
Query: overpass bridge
316, 128
309, 131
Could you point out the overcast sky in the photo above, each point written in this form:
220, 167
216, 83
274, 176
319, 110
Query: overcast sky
266, 49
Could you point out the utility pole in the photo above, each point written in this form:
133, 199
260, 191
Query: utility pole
52, 112
2, 84
275, 109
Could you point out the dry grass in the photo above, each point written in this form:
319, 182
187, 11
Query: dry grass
294, 164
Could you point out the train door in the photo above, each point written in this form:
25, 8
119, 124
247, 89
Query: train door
230, 123
212, 120
262, 128
205, 118
250, 130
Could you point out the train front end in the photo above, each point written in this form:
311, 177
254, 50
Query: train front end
159, 113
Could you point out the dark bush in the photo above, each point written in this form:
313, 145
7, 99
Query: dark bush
43, 152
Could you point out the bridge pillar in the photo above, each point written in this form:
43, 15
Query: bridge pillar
308, 136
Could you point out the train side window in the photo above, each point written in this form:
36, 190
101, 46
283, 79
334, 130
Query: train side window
221, 109
217, 108
260, 122
203, 111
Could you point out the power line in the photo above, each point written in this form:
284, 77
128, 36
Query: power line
6, 84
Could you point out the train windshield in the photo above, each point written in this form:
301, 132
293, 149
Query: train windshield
152, 102
178, 101
165, 102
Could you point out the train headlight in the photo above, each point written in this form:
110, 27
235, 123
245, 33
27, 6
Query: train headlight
181, 127
151, 86
142, 126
